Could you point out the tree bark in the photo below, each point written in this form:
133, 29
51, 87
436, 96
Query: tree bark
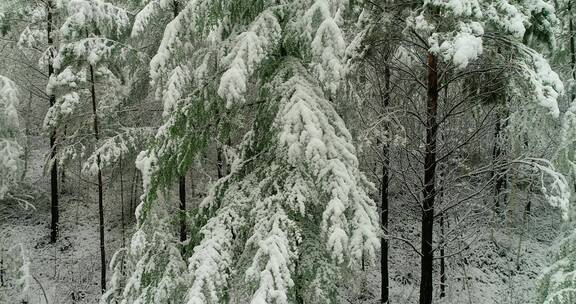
442, 260
133, 193
62, 167
122, 203
2, 269
384, 272
497, 152
572, 55
27, 122
572, 46
442, 183
429, 191
182, 186
100, 185
182, 180
495, 156
123, 218
219, 162
54, 210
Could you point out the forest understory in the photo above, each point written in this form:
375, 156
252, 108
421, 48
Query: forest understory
502, 265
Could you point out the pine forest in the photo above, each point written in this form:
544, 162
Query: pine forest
288, 151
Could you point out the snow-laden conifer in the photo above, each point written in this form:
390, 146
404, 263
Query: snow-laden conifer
10, 149
294, 211
460, 31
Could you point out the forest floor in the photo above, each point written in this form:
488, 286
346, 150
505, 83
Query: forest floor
501, 266
67, 271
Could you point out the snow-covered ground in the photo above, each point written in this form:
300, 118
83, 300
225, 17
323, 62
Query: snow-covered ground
501, 266
69, 270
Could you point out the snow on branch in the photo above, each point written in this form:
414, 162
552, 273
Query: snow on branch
554, 185
151, 11
546, 84
312, 133
248, 51
210, 263
10, 149
110, 20
113, 148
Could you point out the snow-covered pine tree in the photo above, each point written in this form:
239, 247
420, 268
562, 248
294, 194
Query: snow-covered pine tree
34, 23
16, 272
10, 133
455, 35
153, 17
459, 32
94, 78
15, 264
294, 212
149, 23
556, 284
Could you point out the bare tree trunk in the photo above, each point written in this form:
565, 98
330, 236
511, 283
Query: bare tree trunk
62, 167
133, 192
2, 269
384, 272
122, 203
522, 231
442, 260
497, 152
495, 156
572, 46
182, 186
441, 173
100, 186
429, 191
528, 208
54, 210
182, 180
572, 56
123, 219
219, 161
27, 121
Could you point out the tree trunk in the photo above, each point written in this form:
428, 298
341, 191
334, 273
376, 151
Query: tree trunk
219, 161
62, 167
54, 212
572, 56
495, 156
28, 122
182, 180
1, 269
572, 46
442, 260
123, 218
100, 186
182, 186
429, 191
122, 203
442, 183
384, 197
497, 152
500, 174
133, 192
